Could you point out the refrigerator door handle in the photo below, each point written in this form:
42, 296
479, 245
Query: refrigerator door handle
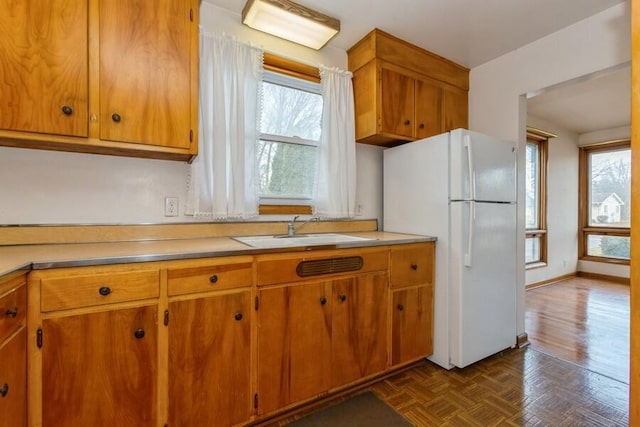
470, 227
471, 169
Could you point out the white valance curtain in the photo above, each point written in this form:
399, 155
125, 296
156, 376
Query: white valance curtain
222, 182
336, 189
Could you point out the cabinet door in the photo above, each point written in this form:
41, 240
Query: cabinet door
294, 344
209, 360
145, 93
428, 98
359, 328
455, 109
13, 381
397, 98
412, 324
99, 369
44, 66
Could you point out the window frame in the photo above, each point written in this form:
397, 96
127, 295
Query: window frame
585, 228
541, 139
291, 68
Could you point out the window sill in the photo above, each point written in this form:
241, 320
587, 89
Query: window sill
285, 210
604, 260
534, 265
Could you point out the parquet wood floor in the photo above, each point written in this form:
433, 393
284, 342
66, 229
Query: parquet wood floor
583, 321
532, 386
519, 387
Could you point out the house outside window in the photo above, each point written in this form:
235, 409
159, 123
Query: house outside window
605, 174
536, 197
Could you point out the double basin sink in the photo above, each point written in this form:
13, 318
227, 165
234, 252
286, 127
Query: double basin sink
284, 241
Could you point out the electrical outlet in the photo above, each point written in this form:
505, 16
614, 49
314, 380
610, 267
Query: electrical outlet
170, 206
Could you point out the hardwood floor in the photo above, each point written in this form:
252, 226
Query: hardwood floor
583, 321
532, 386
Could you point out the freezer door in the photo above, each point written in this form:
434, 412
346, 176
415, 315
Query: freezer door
483, 168
482, 280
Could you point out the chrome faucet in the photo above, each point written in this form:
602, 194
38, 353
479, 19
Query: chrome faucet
291, 227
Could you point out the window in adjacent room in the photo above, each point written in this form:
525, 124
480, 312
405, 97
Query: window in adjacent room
536, 197
290, 129
605, 189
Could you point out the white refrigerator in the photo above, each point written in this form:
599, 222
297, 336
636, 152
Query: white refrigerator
461, 188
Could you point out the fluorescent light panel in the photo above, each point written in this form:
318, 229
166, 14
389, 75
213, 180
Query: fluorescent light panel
290, 21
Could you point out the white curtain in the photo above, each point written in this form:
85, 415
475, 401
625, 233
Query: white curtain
336, 187
222, 184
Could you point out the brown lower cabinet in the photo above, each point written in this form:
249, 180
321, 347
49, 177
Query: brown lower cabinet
221, 341
13, 351
412, 323
319, 335
209, 360
99, 369
13, 380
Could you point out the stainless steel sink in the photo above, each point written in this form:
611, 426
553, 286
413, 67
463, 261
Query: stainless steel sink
280, 241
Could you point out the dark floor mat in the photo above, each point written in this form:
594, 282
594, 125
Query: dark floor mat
363, 410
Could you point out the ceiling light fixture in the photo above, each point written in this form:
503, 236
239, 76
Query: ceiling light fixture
290, 21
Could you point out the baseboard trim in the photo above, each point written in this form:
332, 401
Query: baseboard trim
522, 340
550, 281
615, 279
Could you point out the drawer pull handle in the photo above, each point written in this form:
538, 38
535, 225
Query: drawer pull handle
407, 122
414, 266
12, 312
342, 297
238, 316
4, 390
66, 110
213, 279
323, 301
139, 333
116, 117
421, 126
400, 307
104, 291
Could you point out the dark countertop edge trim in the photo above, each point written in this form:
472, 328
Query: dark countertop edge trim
45, 265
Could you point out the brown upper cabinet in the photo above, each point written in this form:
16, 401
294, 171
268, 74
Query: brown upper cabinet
403, 93
109, 77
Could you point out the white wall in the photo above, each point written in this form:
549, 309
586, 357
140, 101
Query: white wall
562, 203
42, 187
497, 105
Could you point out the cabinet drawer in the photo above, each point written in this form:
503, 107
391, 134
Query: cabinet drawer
13, 308
96, 289
209, 277
287, 268
412, 264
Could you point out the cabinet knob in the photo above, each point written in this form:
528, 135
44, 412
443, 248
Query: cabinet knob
139, 333
323, 300
67, 110
4, 390
407, 122
400, 307
421, 125
104, 291
238, 316
12, 312
116, 117
414, 266
342, 297
213, 279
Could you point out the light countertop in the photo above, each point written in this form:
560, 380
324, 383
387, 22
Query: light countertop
34, 257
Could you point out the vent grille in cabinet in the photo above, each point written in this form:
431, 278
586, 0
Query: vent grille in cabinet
328, 266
